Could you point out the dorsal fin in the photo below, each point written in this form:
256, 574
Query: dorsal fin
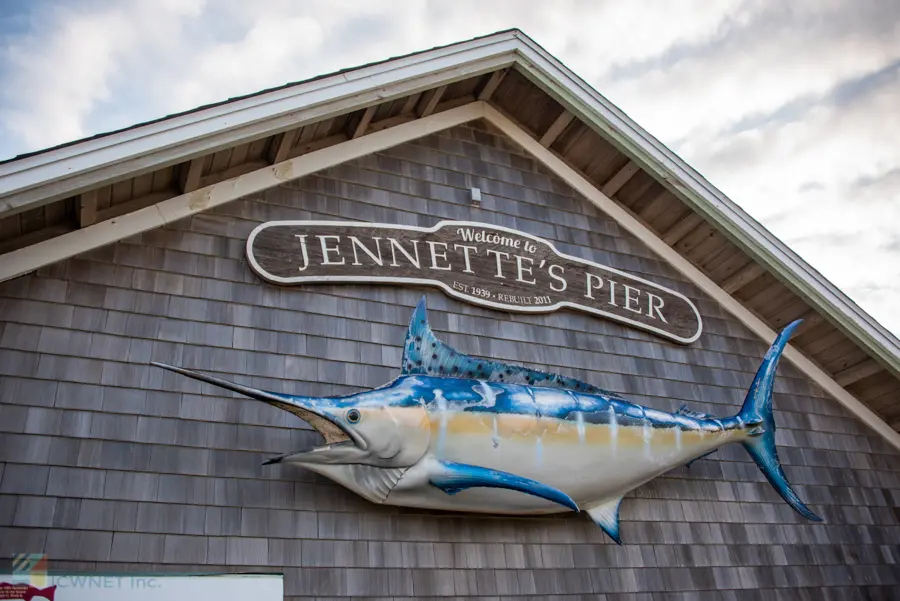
424, 354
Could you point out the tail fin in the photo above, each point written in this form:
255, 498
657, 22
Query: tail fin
756, 413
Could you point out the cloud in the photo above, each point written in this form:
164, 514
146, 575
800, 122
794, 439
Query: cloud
265, 51
789, 108
843, 223
882, 186
809, 187
760, 58
55, 82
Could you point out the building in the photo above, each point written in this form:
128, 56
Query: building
129, 247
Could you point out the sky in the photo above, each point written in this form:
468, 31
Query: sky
792, 109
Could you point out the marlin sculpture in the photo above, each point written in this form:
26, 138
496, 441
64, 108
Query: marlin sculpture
455, 432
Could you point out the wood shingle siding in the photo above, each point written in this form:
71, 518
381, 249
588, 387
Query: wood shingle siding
107, 463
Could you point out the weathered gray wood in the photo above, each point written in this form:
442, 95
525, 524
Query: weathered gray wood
857, 372
36, 236
491, 85
221, 176
811, 321
363, 123
742, 277
134, 204
409, 104
620, 178
190, 176
316, 144
556, 128
279, 152
87, 208
429, 101
682, 228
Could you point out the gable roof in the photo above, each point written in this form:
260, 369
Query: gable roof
506, 78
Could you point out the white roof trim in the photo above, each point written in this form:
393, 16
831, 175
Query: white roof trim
35, 180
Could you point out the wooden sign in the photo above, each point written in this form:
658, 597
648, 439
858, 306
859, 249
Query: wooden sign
483, 264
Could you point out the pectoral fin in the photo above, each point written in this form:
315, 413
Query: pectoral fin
454, 477
606, 515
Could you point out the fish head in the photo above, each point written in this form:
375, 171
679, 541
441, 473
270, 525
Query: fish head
366, 429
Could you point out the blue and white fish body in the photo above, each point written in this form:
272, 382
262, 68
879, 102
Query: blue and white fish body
459, 433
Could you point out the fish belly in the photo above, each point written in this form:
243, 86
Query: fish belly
588, 462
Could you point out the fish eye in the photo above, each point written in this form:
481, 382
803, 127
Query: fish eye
353, 416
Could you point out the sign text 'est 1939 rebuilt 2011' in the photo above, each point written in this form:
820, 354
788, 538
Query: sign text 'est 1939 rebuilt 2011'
483, 264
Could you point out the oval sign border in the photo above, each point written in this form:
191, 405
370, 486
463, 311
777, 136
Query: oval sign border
257, 268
